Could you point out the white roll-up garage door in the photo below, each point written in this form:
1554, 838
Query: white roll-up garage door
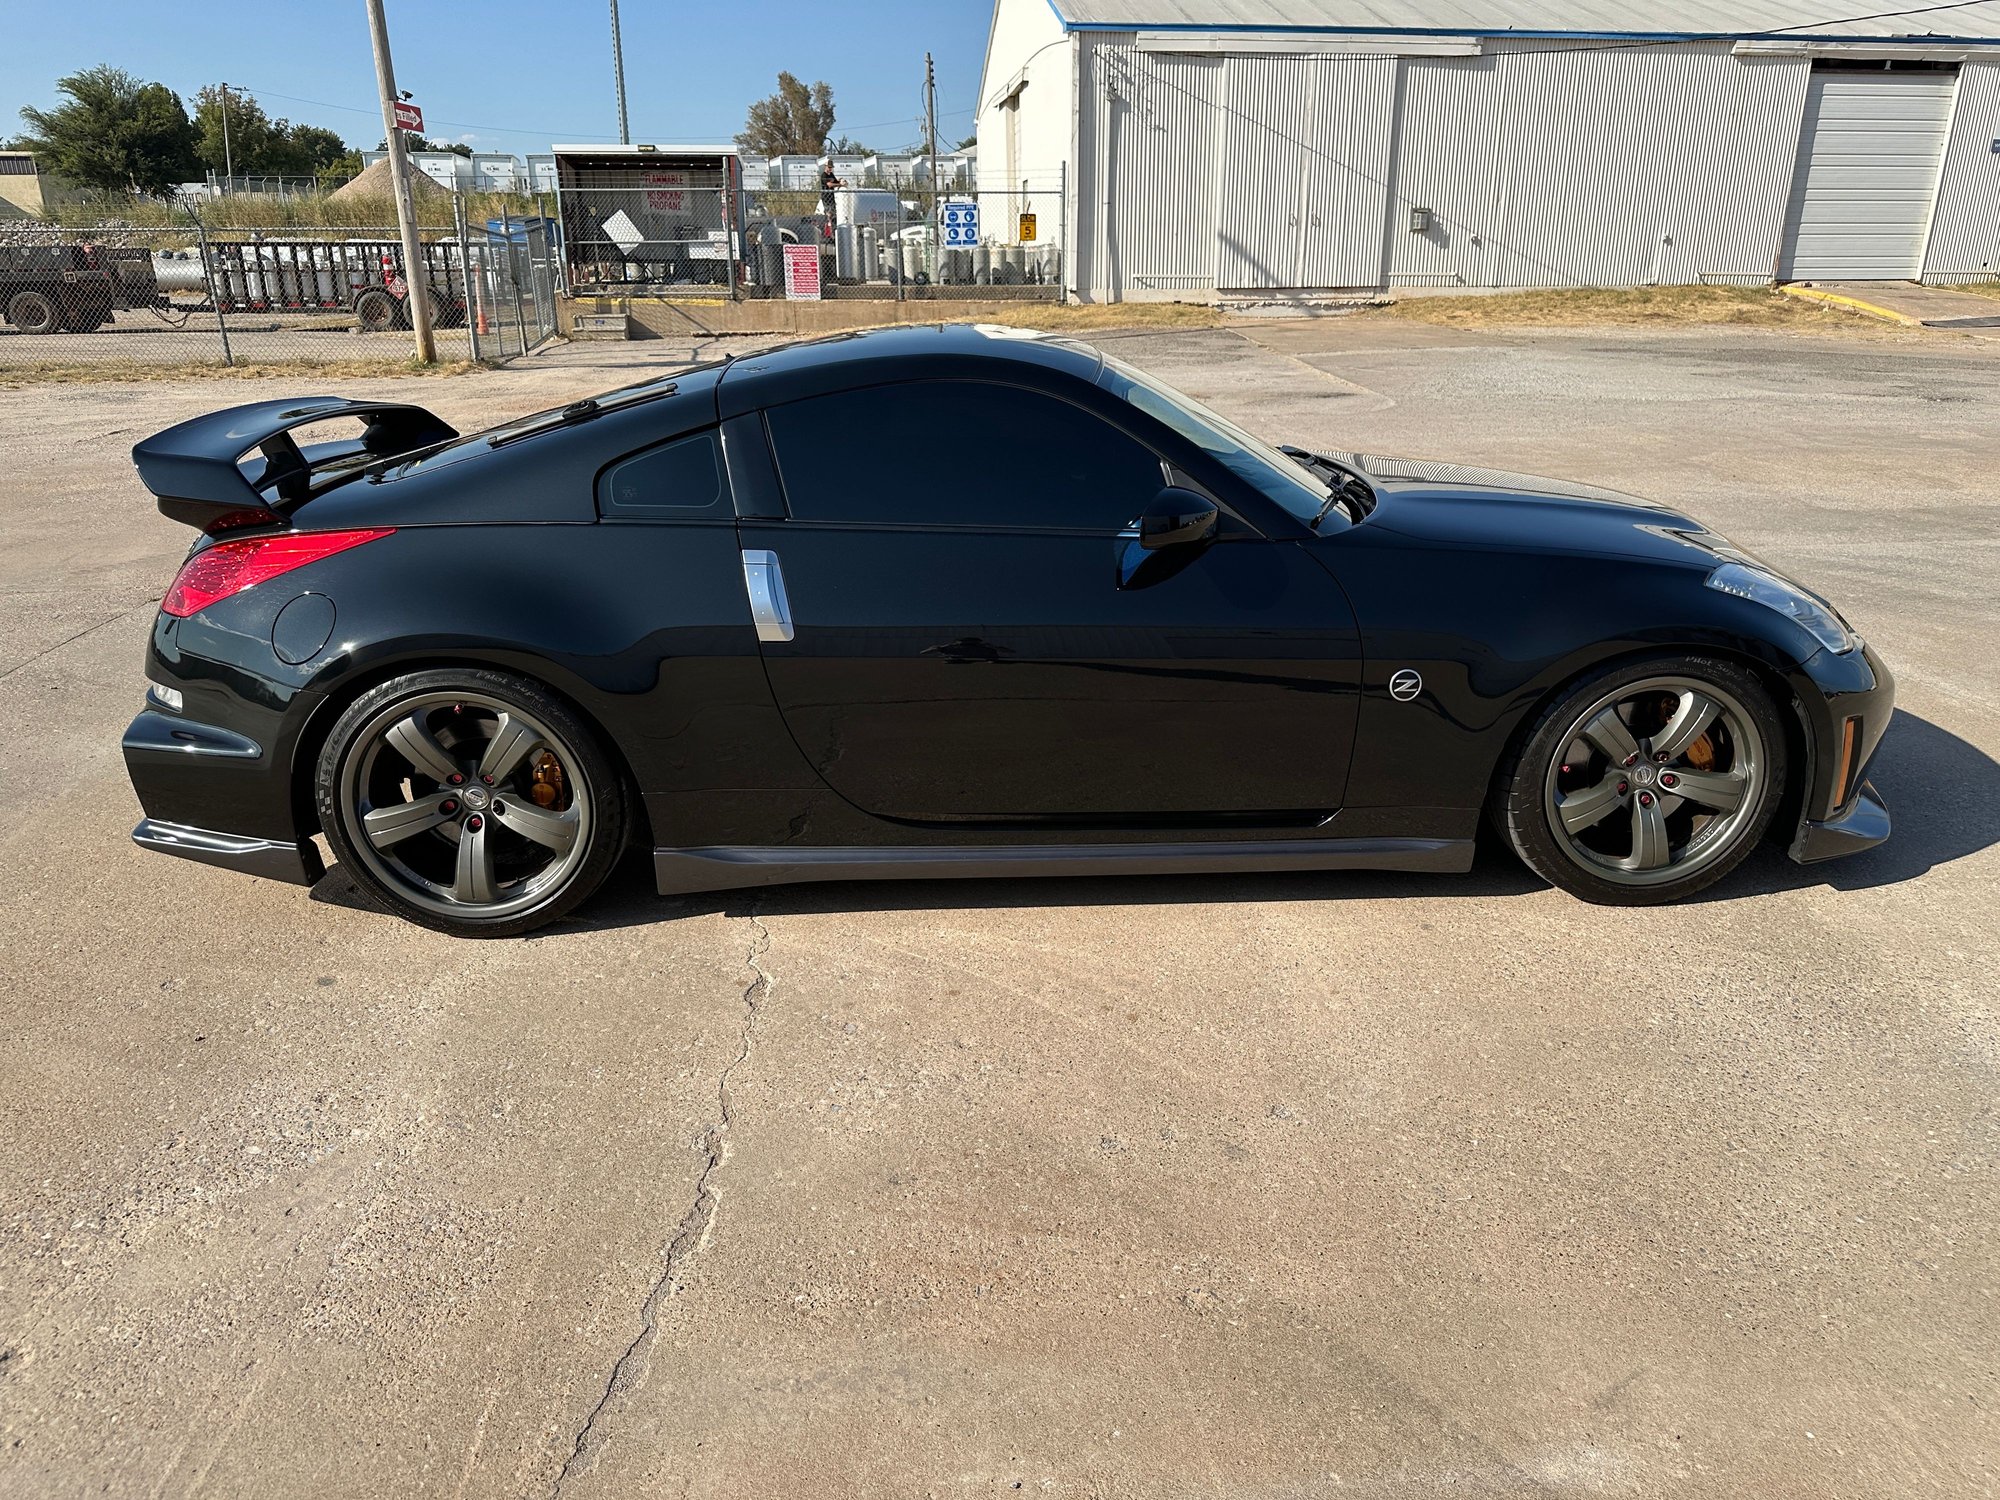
1869, 156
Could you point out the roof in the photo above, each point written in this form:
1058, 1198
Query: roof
600, 149
1674, 20
877, 356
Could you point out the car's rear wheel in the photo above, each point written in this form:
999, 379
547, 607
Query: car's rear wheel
1648, 782
472, 801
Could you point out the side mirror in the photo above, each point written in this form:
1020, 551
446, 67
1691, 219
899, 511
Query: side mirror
1176, 518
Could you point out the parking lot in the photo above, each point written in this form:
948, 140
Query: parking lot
1251, 1186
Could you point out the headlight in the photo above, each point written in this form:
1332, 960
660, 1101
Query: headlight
1789, 600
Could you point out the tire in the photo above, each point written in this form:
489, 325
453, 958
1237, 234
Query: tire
86, 312
1646, 782
375, 311
400, 824
34, 312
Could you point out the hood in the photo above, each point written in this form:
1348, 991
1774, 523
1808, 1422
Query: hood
1457, 504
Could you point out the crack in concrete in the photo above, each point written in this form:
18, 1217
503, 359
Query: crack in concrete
22, 666
689, 1236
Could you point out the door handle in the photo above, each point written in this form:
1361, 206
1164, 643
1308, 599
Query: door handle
764, 581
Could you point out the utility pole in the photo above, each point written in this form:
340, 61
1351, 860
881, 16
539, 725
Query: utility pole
228, 160
930, 133
416, 285
618, 68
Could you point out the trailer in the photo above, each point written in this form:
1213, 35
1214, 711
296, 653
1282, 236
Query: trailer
651, 218
65, 286
362, 276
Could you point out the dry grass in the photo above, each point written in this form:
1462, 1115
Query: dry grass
1736, 306
1055, 317
110, 372
276, 211
1979, 289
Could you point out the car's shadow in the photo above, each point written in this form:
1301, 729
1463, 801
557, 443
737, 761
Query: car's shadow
1943, 793
1944, 801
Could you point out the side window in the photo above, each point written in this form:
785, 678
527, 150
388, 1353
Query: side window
681, 480
959, 453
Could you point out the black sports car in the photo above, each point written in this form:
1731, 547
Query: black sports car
953, 601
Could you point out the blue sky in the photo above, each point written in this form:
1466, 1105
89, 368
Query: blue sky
503, 75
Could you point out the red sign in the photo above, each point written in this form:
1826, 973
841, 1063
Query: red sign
801, 272
409, 116
667, 191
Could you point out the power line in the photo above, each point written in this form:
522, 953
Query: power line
576, 135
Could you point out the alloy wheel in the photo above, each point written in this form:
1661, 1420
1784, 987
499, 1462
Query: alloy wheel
1656, 780
467, 805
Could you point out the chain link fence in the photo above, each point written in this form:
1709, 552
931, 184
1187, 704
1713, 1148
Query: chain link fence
192, 295
900, 242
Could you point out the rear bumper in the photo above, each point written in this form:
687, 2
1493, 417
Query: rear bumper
297, 864
216, 796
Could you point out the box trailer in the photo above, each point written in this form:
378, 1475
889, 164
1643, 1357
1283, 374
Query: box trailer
650, 218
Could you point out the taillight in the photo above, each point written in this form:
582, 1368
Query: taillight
231, 567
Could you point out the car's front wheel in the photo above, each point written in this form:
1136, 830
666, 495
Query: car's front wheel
471, 801
1647, 782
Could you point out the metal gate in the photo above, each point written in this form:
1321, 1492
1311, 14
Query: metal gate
1870, 151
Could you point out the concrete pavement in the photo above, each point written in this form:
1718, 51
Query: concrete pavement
1257, 1186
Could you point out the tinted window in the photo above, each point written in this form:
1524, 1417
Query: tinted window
959, 453
680, 478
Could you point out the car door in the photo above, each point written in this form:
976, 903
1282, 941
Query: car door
967, 637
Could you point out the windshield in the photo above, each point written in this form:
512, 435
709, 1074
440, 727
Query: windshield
1302, 493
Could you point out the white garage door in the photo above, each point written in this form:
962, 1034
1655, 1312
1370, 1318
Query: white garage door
1868, 174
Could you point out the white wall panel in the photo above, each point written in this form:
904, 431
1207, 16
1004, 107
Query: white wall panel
1872, 146
1443, 163
1264, 163
1965, 231
1347, 172
1619, 166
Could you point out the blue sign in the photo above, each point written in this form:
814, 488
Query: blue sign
961, 224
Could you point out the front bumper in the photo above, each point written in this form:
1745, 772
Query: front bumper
1863, 825
1842, 812
297, 864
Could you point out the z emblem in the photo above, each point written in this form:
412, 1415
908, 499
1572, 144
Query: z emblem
1405, 685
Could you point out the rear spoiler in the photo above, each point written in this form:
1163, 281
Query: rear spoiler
197, 472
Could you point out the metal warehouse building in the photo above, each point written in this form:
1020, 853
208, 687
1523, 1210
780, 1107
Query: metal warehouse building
1243, 145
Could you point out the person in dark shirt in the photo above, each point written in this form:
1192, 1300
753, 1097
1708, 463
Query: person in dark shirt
827, 184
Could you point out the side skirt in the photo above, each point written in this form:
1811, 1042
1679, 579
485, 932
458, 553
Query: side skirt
726, 868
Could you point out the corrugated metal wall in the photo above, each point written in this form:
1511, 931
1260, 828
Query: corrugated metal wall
1965, 232
1622, 167
1272, 103
1617, 166
1154, 136
1347, 172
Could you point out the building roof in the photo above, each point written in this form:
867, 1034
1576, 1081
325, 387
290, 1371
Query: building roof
1662, 19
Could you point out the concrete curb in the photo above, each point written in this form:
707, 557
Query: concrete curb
1853, 304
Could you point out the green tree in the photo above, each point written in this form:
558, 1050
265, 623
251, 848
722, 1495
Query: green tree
423, 143
311, 149
115, 132
250, 132
258, 144
846, 145
794, 121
